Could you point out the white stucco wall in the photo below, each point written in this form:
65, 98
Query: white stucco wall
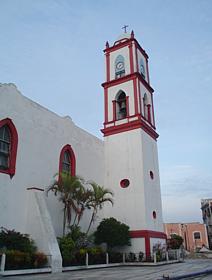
137, 245
122, 159
152, 189
42, 134
131, 155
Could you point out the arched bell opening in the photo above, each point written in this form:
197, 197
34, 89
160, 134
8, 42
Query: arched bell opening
121, 105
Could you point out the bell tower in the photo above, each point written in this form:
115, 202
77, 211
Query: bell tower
130, 143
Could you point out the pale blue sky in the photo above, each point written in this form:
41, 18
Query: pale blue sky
52, 51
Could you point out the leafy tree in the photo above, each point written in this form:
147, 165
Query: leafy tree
113, 233
67, 187
175, 241
98, 198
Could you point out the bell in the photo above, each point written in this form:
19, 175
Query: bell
123, 105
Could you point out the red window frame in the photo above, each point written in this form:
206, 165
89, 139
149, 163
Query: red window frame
13, 147
67, 148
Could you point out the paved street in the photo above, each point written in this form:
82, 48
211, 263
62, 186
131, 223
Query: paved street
122, 273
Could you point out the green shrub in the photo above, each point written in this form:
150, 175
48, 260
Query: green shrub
13, 240
97, 258
95, 255
75, 233
67, 247
39, 259
20, 251
22, 260
112, 232
78, 258
17, 260
94, 250
115, 257
83, 251
80, 238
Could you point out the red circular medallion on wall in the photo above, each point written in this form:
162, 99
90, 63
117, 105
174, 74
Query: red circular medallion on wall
124, 183
151, 174
154, 215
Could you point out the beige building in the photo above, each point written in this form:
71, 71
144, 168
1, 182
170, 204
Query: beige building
193, 234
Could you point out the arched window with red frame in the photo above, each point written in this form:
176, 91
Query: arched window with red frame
67, 161
8, 147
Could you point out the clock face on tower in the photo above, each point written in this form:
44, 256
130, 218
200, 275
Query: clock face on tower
119, 65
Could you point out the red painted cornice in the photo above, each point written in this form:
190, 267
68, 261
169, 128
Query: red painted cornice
126, 79
124, 44
130, 126
147, 234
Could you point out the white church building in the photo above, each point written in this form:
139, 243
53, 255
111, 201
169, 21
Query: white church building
36, 143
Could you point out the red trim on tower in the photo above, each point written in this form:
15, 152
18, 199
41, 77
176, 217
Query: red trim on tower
139, 96
13, 147
107, 67
147, 234
118, 81
127, 78
114, 110
130, 126
106, 104
153, 113
122, 43
136, 56
128, 119
127, 105
131, 58
68, 148
135, 96
149, 113
118, 46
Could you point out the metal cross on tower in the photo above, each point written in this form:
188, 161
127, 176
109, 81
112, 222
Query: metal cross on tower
125, 28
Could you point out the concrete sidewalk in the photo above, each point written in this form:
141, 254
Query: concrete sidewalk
122, 273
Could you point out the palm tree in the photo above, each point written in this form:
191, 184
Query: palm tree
82, 198
67, 186
97, 200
